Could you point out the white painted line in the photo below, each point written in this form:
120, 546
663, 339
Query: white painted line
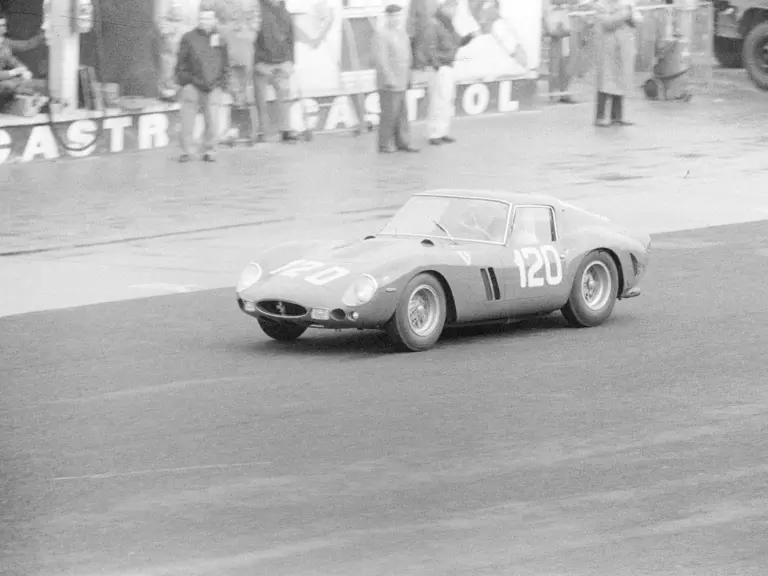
179, 470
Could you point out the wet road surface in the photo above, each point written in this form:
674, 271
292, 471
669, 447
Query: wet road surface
168, 436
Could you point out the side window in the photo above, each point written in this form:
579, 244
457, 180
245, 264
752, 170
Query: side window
533, 225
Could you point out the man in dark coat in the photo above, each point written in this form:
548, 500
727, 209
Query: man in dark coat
273, 65
202, 71
442, 84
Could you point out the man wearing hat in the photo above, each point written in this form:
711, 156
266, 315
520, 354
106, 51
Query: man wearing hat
393, 68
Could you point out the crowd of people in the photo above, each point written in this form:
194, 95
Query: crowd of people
409, 41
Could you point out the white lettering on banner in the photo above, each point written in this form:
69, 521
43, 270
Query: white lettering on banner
506, 104
544, 257
153, 131
341, 112
5, 146
41, 141
372, 108
412, 102
475, 99
79, 134
308, 108
116, 127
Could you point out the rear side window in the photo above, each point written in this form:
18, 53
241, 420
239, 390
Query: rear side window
533, 225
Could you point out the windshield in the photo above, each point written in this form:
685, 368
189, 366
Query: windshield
463, 219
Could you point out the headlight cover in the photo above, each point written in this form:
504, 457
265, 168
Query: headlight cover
360, 292
249, 277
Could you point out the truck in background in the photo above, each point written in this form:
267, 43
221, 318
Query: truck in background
740, 37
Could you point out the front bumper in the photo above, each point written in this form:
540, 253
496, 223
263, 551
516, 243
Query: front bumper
318, 314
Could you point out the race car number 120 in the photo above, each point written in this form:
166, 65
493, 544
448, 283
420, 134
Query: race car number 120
540, 257
319, 278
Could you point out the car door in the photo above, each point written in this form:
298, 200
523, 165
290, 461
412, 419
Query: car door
534, 261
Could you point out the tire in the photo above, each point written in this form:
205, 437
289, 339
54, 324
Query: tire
728, 51
281, 331
584, 310
755, 55
403, 330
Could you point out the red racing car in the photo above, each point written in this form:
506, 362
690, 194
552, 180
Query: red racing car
449, 258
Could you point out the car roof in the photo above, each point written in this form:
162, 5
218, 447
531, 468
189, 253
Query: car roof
513, 198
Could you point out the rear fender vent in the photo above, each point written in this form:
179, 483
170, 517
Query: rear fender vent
491, 284
427, 242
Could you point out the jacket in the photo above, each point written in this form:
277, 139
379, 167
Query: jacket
204, 66
421, 31
7, 60
393, 60
445, 42
274, 42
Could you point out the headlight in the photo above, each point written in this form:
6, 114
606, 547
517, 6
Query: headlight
360, 292
249, 277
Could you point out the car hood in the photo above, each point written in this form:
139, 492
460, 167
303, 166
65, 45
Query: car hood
385, 258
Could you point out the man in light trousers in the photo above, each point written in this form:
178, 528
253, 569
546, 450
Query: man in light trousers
442, 84
202, 71
393, 74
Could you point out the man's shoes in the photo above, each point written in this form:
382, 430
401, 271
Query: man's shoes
208, 157
622, 123
448, 140
407, 149
290, 137
385, 150
435, 141
602, 123
184, 158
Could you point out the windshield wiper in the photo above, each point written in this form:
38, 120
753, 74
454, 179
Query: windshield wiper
443, 228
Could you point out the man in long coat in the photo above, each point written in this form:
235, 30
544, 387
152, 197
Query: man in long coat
615, 57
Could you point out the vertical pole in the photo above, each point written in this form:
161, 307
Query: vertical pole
64, 54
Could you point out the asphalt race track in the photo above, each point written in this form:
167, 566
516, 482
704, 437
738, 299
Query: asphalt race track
168, 436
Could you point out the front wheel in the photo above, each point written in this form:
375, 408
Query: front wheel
420, 315
281, 331
755, 55
594, 291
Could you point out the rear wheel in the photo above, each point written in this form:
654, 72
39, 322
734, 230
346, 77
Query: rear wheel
594, 291
755, 55
420, 315
280, 330
728, 51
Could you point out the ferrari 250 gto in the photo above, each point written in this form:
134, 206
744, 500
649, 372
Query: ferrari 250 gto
449, 258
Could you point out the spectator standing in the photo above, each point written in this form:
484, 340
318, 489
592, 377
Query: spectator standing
15, 78
615, 57
557, 28
202, 71
442, 86
393, 72
273, 65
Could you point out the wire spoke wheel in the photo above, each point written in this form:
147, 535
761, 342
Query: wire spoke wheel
423, 310
596, 285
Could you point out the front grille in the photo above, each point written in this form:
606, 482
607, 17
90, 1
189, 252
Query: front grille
282, 308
